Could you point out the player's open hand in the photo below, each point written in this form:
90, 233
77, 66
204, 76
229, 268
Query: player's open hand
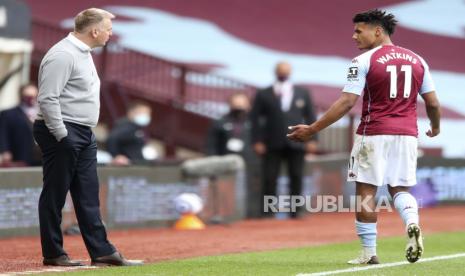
300, 133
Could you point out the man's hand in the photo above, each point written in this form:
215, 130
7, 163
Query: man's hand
433, 132
311, 147
433, 110
259, 148
120, 160
6, 157
301, 133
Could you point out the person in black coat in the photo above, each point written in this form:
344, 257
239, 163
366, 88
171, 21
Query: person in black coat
128, 139
16, 143
274, 109
231, 134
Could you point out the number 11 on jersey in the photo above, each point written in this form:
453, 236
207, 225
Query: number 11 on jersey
407, 80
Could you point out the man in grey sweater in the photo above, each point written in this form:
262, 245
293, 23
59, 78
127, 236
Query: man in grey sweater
69, 104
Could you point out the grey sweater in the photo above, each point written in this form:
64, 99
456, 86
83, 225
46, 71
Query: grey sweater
69, 87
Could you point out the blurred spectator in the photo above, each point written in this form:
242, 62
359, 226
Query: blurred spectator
127, 141
274, 109
231, 134
17, 146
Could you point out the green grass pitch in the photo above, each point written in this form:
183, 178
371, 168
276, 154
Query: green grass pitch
310, 260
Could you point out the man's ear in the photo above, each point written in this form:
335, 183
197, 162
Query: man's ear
379, 31
94, 32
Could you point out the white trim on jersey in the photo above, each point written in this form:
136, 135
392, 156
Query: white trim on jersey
428, 84
357, 72
359, 67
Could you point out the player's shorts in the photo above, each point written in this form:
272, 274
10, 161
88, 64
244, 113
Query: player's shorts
384, 159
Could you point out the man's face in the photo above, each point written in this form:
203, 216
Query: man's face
240, 102
140, 115
140, 110
29, 95
103, 32
283, 71
366, 35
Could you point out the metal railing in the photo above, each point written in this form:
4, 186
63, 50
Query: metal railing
155, 77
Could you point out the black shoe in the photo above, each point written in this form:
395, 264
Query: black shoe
63, 260
115, 259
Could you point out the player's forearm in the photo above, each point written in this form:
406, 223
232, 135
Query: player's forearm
433, 109
335, 112
434, 115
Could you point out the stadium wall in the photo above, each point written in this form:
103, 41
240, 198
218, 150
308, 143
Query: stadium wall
142, 196
129, 197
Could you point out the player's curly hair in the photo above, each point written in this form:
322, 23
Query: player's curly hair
377, 17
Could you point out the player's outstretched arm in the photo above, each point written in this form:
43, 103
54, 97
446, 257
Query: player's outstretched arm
303, 133
433, 110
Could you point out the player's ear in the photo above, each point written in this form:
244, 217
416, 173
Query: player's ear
378, 31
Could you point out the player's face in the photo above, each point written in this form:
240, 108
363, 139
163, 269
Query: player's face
365, 36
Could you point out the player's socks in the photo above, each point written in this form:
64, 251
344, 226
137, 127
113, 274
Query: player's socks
367, 234
407, 207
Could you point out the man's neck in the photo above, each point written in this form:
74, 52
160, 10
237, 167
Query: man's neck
84, 39
386, 41
283, 83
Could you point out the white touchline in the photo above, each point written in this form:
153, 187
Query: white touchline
55, 269
369, 267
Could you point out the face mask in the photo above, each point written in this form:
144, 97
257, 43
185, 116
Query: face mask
238, 113
142, 120
283, 78
28, 101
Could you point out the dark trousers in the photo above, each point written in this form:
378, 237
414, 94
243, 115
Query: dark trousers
271, 168
70, 165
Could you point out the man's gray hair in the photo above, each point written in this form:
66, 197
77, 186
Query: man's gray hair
90, 17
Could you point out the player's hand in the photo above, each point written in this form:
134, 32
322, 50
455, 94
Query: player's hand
433, 132
301, 133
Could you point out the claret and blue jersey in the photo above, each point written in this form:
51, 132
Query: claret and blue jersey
390, 78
